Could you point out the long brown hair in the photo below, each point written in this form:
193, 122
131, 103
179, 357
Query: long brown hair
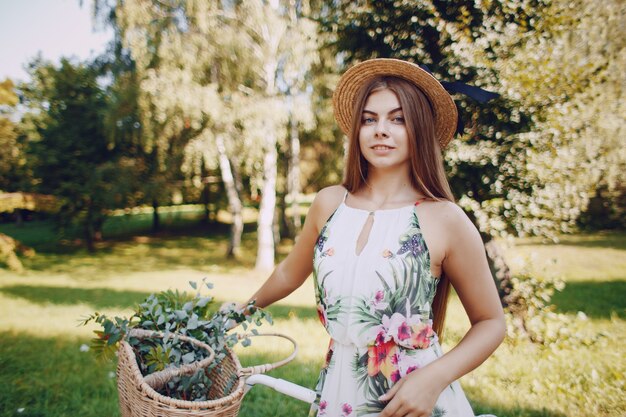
425, 161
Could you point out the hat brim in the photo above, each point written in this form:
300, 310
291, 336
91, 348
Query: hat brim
354, 78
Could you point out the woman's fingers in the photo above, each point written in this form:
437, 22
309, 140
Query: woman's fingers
392, 392
392, 409
408, 398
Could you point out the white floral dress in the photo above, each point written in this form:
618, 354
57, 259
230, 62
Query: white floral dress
376, 307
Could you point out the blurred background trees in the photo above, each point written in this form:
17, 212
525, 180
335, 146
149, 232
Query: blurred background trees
12, 163
70, 156
227, 104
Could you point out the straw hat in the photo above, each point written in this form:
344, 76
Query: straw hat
354, 78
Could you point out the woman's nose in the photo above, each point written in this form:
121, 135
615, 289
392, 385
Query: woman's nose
381, 128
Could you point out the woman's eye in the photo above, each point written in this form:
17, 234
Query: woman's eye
368, 120
398, 119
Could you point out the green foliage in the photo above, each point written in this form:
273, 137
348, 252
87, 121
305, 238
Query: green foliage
528, 162
13, 169
71, 153
176, 313
566, 75
531, 315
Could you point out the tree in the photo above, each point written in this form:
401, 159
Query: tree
528, 162
271, 31
170, 83
455, 39
12, 160
212, 81
71, 157
567, 74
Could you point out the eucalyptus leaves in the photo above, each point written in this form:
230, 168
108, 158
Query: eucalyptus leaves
174, 313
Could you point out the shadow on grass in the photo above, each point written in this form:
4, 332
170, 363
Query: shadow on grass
45, 238
53, 244
108, 298
97, 297
130, 248
608, 239
596, 299
148, 253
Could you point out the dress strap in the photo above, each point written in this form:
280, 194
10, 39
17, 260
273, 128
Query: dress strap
345, 195
420, 200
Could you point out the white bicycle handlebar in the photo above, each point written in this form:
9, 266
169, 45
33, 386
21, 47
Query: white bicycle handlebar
282, 386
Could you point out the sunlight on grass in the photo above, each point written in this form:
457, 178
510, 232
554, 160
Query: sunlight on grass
596, 257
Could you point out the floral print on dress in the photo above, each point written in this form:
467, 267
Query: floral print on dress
377, 308
377, 301
322, 408
329, 307
323, 404
346, 410
412, 244
395, 320
323, 236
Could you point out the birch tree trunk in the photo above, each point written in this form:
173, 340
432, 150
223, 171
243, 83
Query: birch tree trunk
293, 178
234, 202
265, 251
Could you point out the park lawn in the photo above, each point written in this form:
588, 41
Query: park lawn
47, 374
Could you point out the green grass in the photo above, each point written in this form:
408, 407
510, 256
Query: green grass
51, 377
593, 266
609, 298
45, 373
99, 298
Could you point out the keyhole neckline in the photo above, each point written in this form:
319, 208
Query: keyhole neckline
373, 212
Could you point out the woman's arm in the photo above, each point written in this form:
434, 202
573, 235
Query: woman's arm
465, 264
298, 265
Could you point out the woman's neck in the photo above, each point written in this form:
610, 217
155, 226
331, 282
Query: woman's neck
388, 188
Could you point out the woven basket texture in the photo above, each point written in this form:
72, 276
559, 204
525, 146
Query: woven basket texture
138, 399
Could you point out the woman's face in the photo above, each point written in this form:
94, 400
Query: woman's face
383, 137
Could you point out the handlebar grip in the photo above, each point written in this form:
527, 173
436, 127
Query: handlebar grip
295, 391
284, 387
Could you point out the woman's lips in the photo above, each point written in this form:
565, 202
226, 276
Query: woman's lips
382, 149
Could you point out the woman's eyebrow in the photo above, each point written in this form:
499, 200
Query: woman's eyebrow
376, 114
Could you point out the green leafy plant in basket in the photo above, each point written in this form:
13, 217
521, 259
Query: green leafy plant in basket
174, 314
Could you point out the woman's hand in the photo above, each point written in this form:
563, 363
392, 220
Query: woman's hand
415, 395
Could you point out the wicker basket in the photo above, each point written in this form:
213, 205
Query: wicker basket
138, 399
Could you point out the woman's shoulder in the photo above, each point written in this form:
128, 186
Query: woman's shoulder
331, 194
326, 202
447, 209
449, 215
452, 224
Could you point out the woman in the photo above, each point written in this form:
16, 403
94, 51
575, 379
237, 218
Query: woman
387, 244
